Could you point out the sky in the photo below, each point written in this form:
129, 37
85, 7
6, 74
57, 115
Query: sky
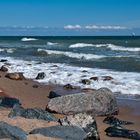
72, 15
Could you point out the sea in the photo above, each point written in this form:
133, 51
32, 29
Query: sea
69, 60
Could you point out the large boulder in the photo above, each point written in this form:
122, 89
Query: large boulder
9, 102
99, 102
84, 121
12, 132
40, 75
62, 132
31, 113
15, 76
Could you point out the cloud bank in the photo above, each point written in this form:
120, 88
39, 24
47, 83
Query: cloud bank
94, 27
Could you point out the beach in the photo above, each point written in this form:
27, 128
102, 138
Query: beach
37, 97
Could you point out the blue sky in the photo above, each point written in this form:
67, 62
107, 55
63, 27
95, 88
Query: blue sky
95, 14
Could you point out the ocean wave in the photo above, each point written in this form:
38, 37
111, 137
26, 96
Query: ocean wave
80, 45
122, 82
120, 48
51, 44
28, 39
110, 46
73, 55
11, 50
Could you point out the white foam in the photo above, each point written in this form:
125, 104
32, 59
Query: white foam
80, 45
120, 48
51, 43
74, 55
123, 82
11, 50
28, 39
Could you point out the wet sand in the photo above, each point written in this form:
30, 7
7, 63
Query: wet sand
38, 97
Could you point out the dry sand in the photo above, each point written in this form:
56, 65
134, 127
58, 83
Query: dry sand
38, 97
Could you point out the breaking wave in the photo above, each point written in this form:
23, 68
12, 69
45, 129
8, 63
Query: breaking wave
28, 39
80, 45
73, 55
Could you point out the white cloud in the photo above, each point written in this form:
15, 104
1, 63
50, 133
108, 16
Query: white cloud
72, 27
105, 27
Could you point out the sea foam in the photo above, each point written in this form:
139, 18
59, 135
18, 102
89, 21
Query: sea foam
28, 39
123, 82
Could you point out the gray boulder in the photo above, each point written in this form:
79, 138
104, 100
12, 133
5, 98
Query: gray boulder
62, 132
99, 102
84, 121
31, 113
12, 132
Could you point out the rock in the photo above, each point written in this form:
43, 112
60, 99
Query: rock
107, 78
100, 102
9, 102
86, 81
3, 69
31, 113
117, 131
84, 71
62, 132
88, 90
53, 94
84, 121
3, 60
115, 121
15, 76
12, 132
40, 75
69, 86
94, 78
35, 86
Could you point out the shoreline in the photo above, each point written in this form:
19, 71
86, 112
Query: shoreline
37, 96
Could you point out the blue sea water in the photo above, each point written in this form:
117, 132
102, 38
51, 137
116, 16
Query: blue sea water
118, 57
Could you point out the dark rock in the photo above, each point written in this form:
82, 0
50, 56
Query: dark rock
107, 78
15, 76
88, 90
31, 113
86, 81
12, 132
83, 121
69, 87
84, 71
3, 69
94, 78
54, 66
3, 60
53, 94
115, 121
40, 75
100, 102
61, 132
8, 102
35, 86
117, 131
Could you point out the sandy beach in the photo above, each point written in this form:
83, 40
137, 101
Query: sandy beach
37, 96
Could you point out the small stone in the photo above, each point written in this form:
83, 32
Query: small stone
69, 87
53, 94
15, 76
94, 78
3, 69
107, 78
35, 86
3, 60
86, 81
40, 75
